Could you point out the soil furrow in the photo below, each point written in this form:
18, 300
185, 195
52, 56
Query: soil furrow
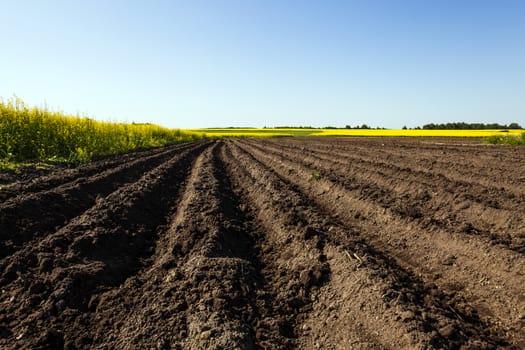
31, 216
155, 289
202, 288
63, 274
447, 206
424, 150
62, 176
436, 161
427, 317
483, 186
295, 268
452, 263
289, 243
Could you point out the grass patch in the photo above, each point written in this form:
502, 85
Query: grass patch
316, 175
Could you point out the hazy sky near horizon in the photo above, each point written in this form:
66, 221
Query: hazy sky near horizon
206, 63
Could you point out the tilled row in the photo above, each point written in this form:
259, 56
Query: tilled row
63, 176
455, 206
221, 276
481, 281
387, 305
30, 216
197, 289
424, 152
49, 286
213, 275
294, 265
425, 168
251, 244
485, 166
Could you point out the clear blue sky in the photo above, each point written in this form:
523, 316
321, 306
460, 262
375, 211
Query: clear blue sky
268, 62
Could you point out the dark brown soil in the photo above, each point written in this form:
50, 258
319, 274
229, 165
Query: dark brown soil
27, 172
292, 243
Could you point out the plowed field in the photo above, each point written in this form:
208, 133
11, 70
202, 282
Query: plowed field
314, 243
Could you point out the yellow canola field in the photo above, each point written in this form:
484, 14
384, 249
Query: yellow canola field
36, 134
417, 133
279, 132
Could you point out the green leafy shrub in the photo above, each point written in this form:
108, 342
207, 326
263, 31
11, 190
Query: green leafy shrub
517, 140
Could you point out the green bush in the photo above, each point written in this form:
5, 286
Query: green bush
518, 140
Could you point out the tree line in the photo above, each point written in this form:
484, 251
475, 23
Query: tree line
470, 126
